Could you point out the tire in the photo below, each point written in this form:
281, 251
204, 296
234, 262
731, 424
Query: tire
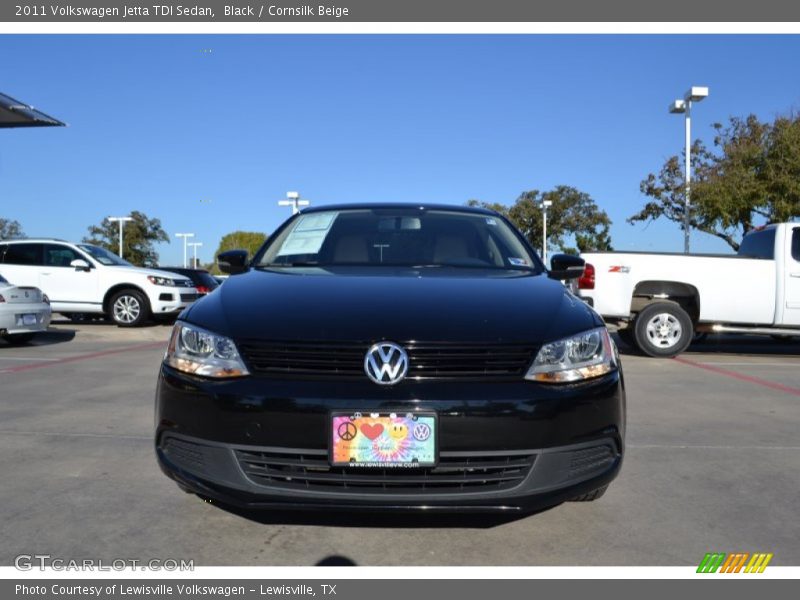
18, 339
129, 308
591, 496
663, 330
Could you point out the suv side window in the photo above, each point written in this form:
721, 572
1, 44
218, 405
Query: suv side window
24, 254
796, 244
56, 255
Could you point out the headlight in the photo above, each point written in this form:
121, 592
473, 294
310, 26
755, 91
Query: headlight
582, 356
200, 352
156, 280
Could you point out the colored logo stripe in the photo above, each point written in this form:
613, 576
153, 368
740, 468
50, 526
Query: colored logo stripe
711, 562
734, 563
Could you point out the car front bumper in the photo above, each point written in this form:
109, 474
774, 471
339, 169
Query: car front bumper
263, 443
170, 300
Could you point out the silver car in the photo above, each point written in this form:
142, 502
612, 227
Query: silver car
24, 312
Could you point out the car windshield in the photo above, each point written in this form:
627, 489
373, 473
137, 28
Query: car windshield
103, 256
408, 237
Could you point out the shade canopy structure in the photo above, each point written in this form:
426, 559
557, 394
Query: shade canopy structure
14, 113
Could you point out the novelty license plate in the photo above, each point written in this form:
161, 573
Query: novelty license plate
383, 440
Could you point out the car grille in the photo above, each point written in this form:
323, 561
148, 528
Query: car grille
456, 472
426, 360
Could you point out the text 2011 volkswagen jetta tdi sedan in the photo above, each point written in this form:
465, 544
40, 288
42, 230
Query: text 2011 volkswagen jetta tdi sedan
393, 357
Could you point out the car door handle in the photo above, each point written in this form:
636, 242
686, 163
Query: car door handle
48, 273
794, 274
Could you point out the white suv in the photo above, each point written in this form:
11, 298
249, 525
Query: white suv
82, 278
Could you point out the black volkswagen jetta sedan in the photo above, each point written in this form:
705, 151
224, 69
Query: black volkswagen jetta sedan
392, 357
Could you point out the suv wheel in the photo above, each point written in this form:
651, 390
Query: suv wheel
663, 330
129, 308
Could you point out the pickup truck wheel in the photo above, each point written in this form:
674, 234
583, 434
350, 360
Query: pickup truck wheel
663, 329
129, 308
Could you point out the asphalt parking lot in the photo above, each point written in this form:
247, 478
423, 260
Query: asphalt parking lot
712, 464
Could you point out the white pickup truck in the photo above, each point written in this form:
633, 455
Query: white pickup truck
659, 301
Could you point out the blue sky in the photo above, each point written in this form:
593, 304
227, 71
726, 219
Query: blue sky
207, 132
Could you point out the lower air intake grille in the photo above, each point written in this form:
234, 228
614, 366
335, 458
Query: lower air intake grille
453, 474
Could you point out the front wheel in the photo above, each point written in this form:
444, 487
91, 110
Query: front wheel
18, 339
663, 330
129, 308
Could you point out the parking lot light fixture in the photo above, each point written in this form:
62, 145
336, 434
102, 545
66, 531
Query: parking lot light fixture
293, 200
185, 237
121, 221
684, 107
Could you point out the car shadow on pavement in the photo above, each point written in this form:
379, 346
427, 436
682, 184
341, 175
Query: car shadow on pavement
101, 322
381, 519
722, 344
45, 338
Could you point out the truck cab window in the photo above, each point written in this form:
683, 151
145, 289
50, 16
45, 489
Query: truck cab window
759, 244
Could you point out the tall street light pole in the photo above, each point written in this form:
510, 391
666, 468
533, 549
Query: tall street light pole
293, 201
194, 246
545, 205
121, 221
185, 237
695, 94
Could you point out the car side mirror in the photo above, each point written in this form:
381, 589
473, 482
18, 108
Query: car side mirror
566, 266
80, 265
232, 262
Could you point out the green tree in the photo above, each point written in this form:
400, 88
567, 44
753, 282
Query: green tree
10, 229
573, 218
239, 240
138, 238
752, 174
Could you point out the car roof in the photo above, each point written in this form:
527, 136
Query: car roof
419, 205
36, 240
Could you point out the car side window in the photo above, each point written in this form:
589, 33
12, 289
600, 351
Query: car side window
24, 254
796, 244
56, 255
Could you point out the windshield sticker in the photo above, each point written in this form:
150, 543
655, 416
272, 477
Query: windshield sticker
517, 262
308, 234
491, 221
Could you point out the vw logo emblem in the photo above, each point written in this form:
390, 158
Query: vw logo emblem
386, 363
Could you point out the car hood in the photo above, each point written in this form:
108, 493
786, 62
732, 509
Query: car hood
144, 272
365, 304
